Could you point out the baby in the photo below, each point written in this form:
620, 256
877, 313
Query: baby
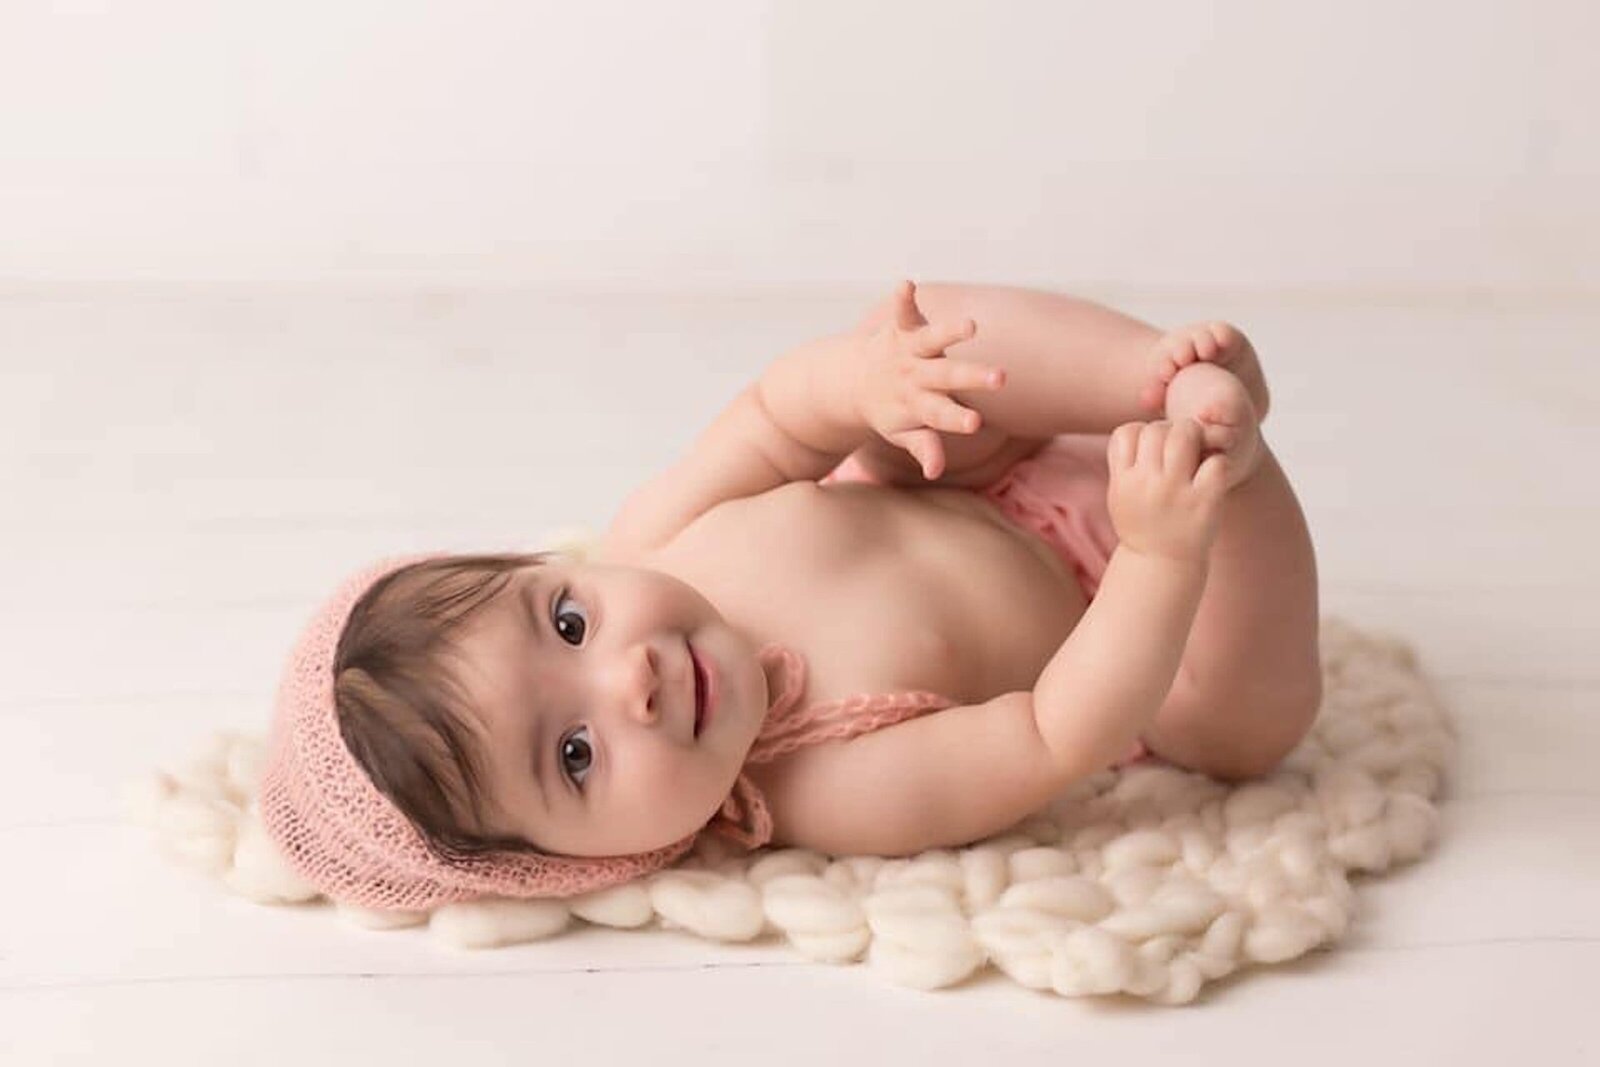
912, 583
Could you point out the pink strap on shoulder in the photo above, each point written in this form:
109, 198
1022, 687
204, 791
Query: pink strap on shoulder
745, 817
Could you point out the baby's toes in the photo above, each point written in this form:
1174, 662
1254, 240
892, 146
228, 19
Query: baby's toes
1167, 358
1219, 436
1226, 337
1218, 401
1172, 364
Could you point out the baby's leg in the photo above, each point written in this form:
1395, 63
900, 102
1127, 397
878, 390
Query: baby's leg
1096, 363
1251, 680
1074, 367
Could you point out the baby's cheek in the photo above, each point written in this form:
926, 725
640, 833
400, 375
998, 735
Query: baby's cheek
677, 793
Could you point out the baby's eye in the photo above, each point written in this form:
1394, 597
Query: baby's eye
576, 755
571, 632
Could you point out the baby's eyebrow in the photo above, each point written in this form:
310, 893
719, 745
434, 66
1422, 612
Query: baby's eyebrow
530, 606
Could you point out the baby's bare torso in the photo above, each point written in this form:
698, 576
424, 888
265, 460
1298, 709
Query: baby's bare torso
883, 589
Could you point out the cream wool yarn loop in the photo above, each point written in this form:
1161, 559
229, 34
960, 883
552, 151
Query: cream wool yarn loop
1028, 864
920, 936
259, 870
922, 969
984, 877
1178, 907
491, 923
1148, 881
711, 905
809, 905
623, 906
783, 864
923, 917
1140, 848
843, 947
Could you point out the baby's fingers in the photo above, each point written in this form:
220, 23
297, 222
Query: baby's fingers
951, 375
906, 313
935, 339
1183, 448
1123, 445
1212, 477
1152, 442
925, 447
942, 413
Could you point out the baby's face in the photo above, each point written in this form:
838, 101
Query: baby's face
583, 697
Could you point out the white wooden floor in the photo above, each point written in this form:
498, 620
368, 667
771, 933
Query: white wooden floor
185, 473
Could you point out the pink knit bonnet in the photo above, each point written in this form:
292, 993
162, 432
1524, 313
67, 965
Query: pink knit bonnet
349, 840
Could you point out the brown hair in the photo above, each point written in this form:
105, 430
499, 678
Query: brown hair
400, 707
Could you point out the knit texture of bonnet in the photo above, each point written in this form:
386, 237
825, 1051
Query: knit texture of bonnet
347, 839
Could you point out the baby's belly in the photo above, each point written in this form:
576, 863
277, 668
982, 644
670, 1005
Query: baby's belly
885, 589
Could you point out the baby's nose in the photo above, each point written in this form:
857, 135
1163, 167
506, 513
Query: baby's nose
639, 682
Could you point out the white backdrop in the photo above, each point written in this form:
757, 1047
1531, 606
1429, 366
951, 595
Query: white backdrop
1364, 145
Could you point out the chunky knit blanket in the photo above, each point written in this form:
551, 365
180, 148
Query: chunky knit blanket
1148, 880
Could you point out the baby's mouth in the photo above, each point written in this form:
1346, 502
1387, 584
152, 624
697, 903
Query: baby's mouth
699, 691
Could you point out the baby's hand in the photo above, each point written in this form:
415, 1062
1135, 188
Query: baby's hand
903, 380
1163, 500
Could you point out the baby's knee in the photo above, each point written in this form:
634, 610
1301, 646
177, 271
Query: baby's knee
1237, 735
1281, 719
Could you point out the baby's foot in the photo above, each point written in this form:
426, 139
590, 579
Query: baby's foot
1219, 402
1207, 342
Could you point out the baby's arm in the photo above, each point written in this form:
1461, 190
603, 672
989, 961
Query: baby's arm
809, 410
964, 773
1073, 366
780, 428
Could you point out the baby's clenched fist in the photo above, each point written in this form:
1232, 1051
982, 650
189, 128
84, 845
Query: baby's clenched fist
1164, 500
